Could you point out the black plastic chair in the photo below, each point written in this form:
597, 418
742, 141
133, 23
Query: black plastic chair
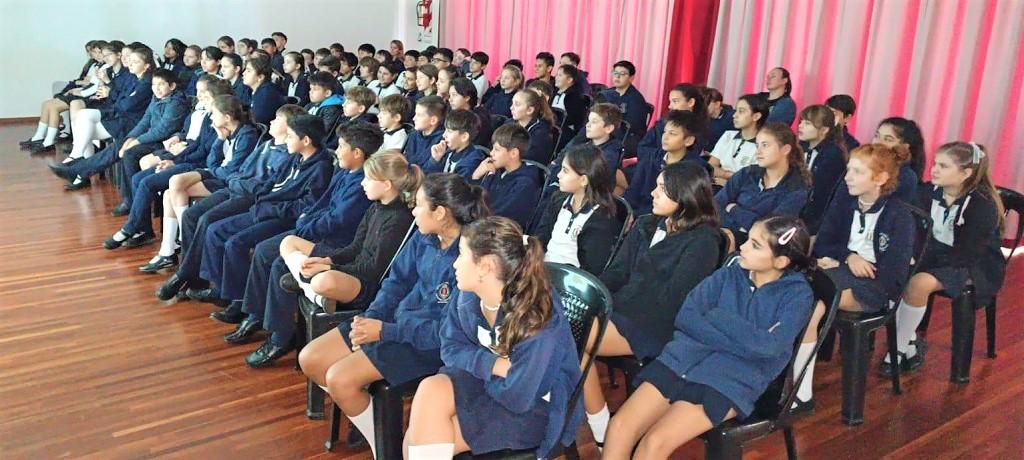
964, 306
584, 300
597, 88
624, 214
650, 114
856, 333
772, 411
313, 321
264, 131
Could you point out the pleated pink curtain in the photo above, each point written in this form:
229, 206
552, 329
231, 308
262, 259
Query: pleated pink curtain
600, 31
955, 67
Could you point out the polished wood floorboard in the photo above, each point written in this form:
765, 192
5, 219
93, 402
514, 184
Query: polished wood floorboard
92, 365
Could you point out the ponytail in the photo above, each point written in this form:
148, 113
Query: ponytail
526, 297
541, 109
820, 116
392, 166
230, 105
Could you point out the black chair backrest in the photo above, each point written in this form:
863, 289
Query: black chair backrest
405, 239
498, 120
541, 169
596, 88
1013, 201
264, 132
924, 235
650, 113
724, 255
292, 99
584, 300
588, 101
559, 116
624, 213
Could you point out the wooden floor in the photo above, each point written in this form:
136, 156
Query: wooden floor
93, 365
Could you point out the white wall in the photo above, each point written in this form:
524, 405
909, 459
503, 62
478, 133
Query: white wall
42, 40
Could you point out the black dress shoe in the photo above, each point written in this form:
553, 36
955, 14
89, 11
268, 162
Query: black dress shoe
77, 183
120, 210
266, 354
110, 243
289, 284
802, 407
170, 288
229, 316
245, 332
62, 171
40, 148
29, 143
907, 365
160, 263
208, 295
139, 239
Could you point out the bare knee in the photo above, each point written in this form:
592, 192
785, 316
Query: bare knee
321, 283
656, 444
312, 363
436, 391
288, 244
342, 383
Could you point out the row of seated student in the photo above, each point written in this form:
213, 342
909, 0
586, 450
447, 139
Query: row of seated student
317, 228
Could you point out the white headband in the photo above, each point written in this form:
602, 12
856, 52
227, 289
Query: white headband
978, 153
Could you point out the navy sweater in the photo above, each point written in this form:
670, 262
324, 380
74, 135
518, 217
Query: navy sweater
131, 106
744, 188
541, 143
735, 338
513, 194
417, 147
163, 118
301, 87
259, 168
329, 110
647, 282
333, 218
893, 239
190, 89
244, 93
412, 299
243, 141
498, 102
197, 151
782, 110
827, 171
718, 126
645, 178
544, 364
633, 106
463, 162
294, 188
265, 101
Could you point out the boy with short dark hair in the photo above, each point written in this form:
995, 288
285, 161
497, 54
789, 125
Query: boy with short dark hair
456, 152
392, 109
543, 65
627, 97
322, 101
427, 120
477, 65
682, 128
365, 50
513, 188
843, 106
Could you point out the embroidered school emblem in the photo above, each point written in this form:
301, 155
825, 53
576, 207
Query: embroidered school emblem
883, 242
443, 292
575, 232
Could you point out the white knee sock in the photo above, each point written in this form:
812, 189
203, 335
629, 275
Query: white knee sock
803, 355
40, 132
180, 212
364, 423
294, 262
169, 237
51, 137
908, 317
432, 452
599, 423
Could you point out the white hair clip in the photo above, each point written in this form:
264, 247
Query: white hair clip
526, 240
978, 153
784, 239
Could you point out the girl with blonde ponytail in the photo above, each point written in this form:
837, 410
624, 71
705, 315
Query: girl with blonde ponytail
509, 354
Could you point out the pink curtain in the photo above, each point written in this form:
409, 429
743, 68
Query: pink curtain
955, 67
600, 31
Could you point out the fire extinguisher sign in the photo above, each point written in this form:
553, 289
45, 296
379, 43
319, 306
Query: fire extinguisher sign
427, 24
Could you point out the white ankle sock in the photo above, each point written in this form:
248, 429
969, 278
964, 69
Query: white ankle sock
432, 452
803, 355
120, 235
599, 423
40, 132
169, 237
51, 137
364, 423
908, 317
294, 262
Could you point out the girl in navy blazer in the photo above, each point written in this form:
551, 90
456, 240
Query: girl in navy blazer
734, 334
266, 96
295, 82
397, 338
509, 355
895, 131
967, 228
778, 184
531, 112
825, 154
865, 243
663, 257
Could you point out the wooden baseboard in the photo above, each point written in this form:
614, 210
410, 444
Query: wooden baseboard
17, 121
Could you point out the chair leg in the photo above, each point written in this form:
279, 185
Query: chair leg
990, 327
828, 345
790, 443
853, 344
890, 332
300, 337
314, 401
335, 428
719, 447
963, 339
388, 414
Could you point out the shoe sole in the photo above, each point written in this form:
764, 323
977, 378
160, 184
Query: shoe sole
156, 270
140, 244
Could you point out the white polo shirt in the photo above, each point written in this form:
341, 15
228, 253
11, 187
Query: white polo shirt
862, 233
734, 152
563, 247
